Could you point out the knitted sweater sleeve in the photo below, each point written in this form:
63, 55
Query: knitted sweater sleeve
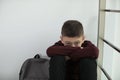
59, 49
89, 50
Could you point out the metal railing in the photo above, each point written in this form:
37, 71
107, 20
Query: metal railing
110, 10
101, 33
114, 47
105, 73
111, 45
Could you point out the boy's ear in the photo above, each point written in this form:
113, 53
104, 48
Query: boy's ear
61, 38
83, 38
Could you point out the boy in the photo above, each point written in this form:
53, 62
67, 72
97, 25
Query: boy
73, 57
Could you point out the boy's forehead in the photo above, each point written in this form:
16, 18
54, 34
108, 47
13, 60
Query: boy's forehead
65, 38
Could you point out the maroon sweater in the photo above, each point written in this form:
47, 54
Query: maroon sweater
75, 53
89, 50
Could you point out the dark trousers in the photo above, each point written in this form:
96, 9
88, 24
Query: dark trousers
87, 69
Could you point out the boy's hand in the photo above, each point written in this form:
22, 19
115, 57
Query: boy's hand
81, 47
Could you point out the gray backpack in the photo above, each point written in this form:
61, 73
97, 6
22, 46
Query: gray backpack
36, 68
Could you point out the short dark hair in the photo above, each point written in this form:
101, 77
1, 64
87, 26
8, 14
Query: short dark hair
72, 28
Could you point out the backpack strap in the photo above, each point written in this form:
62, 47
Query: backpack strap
37, 56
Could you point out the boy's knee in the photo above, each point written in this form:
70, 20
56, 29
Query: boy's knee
57, 59
88, 69
88, 65
88, 62
57, 68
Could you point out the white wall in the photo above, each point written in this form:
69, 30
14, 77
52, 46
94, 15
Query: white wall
28, 27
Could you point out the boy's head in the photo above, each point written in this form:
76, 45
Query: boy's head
72, 33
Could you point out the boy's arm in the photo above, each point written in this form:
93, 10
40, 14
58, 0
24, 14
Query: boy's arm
88, 50
59, 49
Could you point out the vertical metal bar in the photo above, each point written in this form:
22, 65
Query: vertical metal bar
101, 28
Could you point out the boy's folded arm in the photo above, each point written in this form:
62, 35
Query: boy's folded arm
59, 49
90, 51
